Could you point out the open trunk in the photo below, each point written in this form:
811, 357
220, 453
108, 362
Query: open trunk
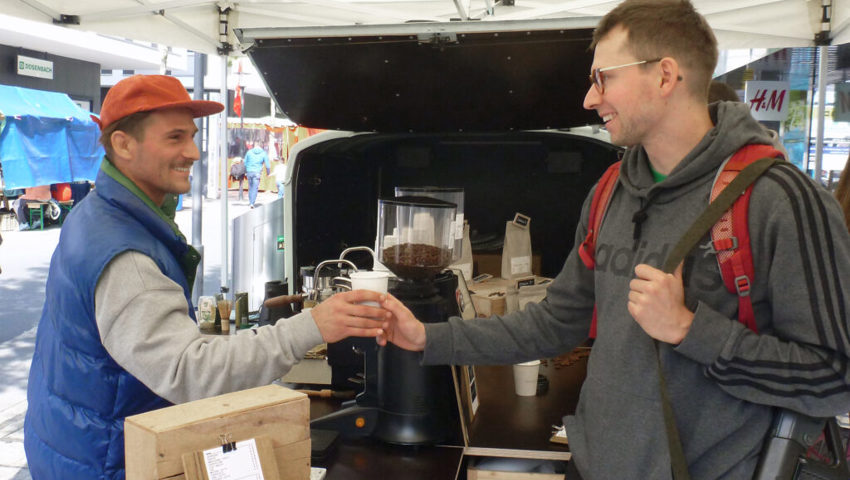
471, 105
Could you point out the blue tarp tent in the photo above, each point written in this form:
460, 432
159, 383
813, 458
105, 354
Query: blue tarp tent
47, 139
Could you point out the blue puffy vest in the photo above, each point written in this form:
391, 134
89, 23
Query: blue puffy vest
78, 395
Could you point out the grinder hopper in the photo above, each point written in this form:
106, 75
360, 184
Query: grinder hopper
416, 236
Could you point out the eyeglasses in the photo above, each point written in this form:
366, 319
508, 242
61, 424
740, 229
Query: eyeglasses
598, 79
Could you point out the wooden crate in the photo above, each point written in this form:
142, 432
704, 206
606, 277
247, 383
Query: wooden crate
475, 474
8, 222
511, 464
154, 442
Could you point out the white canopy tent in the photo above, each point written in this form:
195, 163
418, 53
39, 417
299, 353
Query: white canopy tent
195, 24
207, 26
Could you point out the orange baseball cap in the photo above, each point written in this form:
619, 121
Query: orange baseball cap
144, 93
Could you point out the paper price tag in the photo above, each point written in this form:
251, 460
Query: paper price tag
242, 463
522, 220
559, 436
458, 226
520, 265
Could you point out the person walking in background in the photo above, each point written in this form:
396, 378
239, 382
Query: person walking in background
280, 176
255, 158
117, 334
40, 194
652, 64
237, 173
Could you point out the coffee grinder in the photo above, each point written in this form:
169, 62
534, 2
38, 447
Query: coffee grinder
404, 402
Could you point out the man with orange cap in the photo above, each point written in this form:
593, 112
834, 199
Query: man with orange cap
117, 335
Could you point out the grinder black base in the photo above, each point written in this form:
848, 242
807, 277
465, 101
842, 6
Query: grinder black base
404, 402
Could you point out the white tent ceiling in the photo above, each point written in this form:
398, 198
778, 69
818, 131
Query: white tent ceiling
194, 24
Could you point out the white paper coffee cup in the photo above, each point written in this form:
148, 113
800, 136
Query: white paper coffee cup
374, 281
525, 378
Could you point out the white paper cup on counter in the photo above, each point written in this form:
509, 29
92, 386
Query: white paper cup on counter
525, 378
375, 281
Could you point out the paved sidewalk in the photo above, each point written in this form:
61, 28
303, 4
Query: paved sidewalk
24, 258
15, 356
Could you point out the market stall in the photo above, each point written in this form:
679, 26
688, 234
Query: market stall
47, 139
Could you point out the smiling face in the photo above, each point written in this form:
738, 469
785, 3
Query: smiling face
626, 107
160, 160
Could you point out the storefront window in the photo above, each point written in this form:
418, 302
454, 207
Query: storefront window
797, 69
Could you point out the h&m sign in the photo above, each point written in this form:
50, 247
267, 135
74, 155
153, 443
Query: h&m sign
35, 67
768, 100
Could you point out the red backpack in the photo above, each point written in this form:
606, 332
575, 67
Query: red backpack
730, 237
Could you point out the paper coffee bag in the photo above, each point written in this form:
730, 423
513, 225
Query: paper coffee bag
516, 252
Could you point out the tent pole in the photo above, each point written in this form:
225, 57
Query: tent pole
197, 177
222, 141
823, 61
822, 40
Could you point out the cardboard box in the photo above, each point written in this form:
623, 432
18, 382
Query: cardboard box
490, 296
499, 296
491, 262
154, 442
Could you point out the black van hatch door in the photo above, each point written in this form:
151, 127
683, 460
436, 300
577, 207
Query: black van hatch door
428, 77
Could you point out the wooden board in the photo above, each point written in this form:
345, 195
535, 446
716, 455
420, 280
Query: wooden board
154, 442
475, 474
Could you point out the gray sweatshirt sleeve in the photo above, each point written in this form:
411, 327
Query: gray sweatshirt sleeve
800, 357
555, 326
144, 324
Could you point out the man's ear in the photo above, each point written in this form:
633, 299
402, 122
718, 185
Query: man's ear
671, 75
123, 144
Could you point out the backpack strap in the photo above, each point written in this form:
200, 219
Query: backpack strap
598, 208
730, 236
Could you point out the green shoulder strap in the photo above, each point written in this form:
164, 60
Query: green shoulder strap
689, 240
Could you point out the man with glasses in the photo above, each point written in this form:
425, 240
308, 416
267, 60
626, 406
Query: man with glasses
653, 61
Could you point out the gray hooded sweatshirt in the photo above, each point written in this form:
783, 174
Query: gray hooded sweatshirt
723, 379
